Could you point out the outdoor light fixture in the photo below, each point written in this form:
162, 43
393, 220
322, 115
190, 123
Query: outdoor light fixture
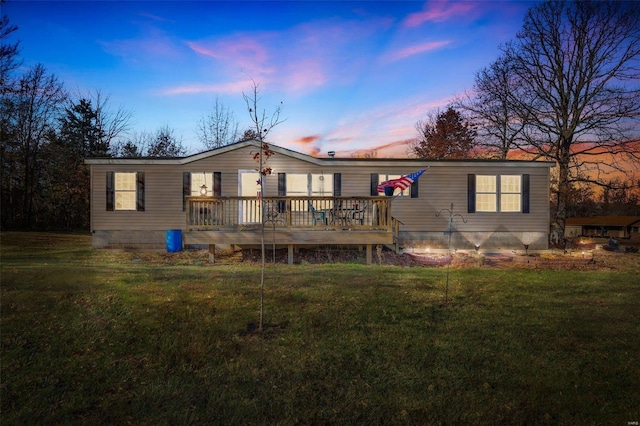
477, 246
203, 188
526, 249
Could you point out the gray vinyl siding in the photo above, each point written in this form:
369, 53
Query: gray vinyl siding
441, 185
163, 200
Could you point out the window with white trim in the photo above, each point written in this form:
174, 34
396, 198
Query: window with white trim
510, 193
486, 193
309, 184
125, 191
199, 179
499, 193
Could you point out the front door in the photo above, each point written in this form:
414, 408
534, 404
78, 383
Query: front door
250, 208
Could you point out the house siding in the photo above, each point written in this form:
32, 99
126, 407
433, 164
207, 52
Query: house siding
424, 219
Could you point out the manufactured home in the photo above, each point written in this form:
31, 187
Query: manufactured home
214, 198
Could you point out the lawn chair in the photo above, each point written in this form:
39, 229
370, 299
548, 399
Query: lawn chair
317, 215
358, 216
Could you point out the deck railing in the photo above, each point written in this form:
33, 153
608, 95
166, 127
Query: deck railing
212, 213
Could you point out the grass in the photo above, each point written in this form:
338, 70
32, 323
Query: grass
100, 337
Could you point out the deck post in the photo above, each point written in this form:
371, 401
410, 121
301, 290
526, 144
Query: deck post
290, 254
369, 254
212, 253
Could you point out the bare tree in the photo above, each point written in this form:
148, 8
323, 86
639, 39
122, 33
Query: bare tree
577, 66
219, 128
262, 124
8, 52
8, 163
444, 135
371, 153
499, 128
32, 118
114, 123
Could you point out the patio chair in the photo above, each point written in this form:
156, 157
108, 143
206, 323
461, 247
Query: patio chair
317, 215
358, 216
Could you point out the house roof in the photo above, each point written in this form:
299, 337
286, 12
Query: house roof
314, 160
603, 221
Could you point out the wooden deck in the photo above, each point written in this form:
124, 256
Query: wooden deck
290, 221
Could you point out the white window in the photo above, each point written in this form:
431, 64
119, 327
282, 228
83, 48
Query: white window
125, 191
321, 185
199, 179
498, 193
309, 184
397, 191
297, 184
510, 193
486, 194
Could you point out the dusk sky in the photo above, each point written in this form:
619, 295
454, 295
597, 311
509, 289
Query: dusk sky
351, 75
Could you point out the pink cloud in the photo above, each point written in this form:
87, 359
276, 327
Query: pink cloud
240, 49
238, 53
438, 11
297, 60
156, 46
414, 50
234, 87
307, 139
304, 75
371, 129
395, 149
155, 18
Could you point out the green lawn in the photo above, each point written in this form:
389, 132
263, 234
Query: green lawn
99, 337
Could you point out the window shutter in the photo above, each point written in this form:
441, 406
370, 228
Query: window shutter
282, 184
526, 205
186, 189
337, 184
282, 192
471, 193
414, 189
110, 191
374, 184
217, 184
140, 191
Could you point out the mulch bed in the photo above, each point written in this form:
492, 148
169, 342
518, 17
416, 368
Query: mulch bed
592, 259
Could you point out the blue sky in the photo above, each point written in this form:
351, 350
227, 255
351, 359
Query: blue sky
351, 75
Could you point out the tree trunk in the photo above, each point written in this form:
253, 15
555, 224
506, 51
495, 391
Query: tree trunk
564, 187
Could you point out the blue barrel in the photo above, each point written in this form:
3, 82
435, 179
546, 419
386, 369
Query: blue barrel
174, 240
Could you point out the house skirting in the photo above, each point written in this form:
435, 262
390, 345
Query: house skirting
462, 240
129, 240
156, 240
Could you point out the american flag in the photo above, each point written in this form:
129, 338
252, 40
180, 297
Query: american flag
402, 182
